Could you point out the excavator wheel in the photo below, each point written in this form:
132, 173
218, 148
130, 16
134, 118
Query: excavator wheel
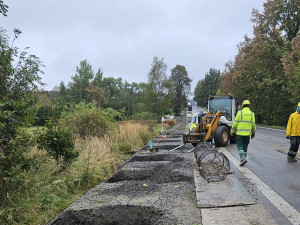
221, 136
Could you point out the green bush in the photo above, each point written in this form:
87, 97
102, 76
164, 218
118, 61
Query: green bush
46, 113
59, 144
13, 164
142, 117
88, 120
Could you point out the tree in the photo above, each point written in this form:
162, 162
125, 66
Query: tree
3, 8
98, 94
261, 70
98, 79
80, 82
279, 22
159, 91
208, 86
291, 65
17, 90
181, 87
18, 84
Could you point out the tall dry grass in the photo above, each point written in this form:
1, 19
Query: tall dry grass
135, 134
100, 156
49, 188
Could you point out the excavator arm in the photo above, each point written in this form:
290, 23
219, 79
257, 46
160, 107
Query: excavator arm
204, 130
211, 127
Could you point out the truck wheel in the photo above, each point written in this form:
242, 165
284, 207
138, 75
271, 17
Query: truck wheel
221, 136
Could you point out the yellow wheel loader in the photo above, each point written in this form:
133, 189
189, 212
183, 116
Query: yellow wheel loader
216, 124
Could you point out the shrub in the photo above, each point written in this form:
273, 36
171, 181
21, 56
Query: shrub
170, 122
59, 144
88, 120
142, 117
46, 113
13, 164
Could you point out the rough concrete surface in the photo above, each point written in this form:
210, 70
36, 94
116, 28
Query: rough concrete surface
159, 188
229, 192
243, 215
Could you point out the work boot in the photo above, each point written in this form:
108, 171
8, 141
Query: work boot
291, 159
243, 162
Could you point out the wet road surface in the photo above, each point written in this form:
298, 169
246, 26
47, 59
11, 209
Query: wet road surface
269, 164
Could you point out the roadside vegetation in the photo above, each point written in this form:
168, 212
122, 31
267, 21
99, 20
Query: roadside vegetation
56, 145
48, 187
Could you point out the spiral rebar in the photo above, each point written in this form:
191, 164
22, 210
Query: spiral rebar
213, 165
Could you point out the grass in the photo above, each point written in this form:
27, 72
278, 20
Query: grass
49, 188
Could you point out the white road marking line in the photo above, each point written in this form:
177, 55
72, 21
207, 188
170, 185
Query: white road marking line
287, 210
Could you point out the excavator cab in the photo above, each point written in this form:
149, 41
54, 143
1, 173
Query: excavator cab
216, 124
228, 107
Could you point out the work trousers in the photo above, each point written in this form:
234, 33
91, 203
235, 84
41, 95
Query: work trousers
242, 143
294, 146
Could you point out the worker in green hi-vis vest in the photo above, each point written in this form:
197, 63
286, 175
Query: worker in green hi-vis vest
244, 127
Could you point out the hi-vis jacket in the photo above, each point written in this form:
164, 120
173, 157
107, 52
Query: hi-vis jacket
192, 127
244, 123
293, 127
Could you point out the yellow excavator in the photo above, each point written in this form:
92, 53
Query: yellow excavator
216, 124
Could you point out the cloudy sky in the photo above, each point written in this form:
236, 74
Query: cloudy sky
123, 36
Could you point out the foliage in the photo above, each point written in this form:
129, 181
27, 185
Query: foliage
12, 165
46, 190
158, 94
97, 95
17, 98
80, 82
46, 113
169, 122
59, 143
143, 116
89, 120
181, 87
265, 68
291, 65
108, 92
3, 8
208, 86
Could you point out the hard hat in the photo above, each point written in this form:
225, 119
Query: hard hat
299, 104
246, 102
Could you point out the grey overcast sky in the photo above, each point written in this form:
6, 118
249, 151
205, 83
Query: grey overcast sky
123, 36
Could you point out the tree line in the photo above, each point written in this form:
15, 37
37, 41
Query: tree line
160, 95
266, 69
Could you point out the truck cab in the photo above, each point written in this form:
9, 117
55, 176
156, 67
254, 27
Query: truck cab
228, 106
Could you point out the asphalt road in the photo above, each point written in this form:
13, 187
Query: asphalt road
271, 166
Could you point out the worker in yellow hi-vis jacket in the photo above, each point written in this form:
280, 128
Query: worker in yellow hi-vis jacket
244, 127
293, 133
